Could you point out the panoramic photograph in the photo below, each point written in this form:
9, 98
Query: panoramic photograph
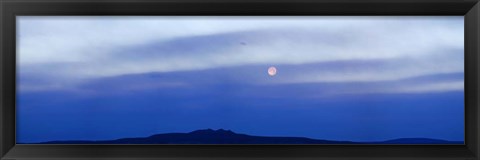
303, 80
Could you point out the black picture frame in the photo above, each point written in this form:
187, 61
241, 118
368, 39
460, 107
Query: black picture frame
470, 9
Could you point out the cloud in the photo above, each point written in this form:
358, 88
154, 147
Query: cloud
67, 51
435, 87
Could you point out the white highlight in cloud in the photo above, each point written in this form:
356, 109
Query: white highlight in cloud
435, 87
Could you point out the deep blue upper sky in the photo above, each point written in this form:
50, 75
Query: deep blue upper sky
339, 78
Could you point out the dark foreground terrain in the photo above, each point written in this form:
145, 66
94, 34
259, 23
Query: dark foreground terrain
209, 136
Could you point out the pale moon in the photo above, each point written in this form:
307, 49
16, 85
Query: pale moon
272, 71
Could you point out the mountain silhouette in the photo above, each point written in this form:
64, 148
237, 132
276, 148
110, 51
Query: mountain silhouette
221, 136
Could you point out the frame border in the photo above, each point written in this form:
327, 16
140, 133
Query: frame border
9, 9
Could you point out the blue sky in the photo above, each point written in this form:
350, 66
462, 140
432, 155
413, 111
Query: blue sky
339, 78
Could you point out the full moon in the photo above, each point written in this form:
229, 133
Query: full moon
272, 71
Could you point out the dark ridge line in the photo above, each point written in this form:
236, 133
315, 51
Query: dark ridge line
221, 136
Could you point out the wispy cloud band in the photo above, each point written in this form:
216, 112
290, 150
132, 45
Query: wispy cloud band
65, 52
